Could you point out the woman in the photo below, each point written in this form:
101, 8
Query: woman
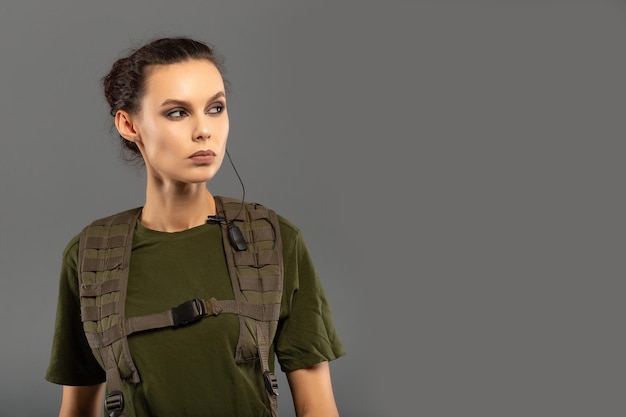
168, 100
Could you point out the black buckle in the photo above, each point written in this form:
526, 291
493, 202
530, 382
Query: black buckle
271, 383
188, 312
114, 403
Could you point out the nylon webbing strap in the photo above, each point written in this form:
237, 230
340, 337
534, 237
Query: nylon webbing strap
164, 319
271, 383
257, 272
104, 254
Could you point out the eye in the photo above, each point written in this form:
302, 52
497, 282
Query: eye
176, 113
216, 109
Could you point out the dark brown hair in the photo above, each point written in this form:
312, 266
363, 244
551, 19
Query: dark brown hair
125, 83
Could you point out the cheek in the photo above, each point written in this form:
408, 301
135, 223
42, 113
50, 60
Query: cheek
165, 136
224, 131
158, 143
224, 126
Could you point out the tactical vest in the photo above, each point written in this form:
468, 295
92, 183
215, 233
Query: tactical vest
256, 274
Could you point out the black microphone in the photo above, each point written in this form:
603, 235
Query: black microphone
234, 233
236, 237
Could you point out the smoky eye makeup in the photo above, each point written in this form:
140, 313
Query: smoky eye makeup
175, 113
216, 108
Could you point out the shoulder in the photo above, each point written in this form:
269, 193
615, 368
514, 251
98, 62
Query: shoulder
117, 217
289, 231
287, 227
70, 252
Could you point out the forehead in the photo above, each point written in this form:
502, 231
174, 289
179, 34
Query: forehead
183, 80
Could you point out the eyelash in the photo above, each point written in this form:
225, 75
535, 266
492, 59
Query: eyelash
219, 107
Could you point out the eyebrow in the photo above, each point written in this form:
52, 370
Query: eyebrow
171, 101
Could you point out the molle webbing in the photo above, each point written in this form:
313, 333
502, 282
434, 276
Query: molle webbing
256, 273
104, 258
256, 277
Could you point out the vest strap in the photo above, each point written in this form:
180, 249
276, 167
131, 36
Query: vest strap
182, 315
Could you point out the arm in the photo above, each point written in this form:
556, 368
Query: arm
84, 401
312, 391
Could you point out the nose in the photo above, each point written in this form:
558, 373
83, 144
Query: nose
203, 130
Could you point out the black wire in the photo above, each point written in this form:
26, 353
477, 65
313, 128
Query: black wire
243, 188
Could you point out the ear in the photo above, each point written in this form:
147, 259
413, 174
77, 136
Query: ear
125, 126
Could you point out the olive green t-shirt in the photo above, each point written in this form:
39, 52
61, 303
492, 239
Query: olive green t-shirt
191, 371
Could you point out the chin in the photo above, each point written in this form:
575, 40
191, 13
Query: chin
199, 180
203, 176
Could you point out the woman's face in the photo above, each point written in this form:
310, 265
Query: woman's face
182, 127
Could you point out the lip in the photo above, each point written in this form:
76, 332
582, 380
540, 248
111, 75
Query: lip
208, 152
203, 157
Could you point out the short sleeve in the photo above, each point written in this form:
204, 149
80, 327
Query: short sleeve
71, 361
306, 333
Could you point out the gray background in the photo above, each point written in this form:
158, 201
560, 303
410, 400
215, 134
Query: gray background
456, 168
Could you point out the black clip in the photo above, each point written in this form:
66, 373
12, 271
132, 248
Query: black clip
188, 312
271, 383
114, 403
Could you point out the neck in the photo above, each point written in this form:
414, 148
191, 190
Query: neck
176, 207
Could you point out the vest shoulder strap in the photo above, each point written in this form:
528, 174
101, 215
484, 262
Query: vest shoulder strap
103, 263
256, 275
